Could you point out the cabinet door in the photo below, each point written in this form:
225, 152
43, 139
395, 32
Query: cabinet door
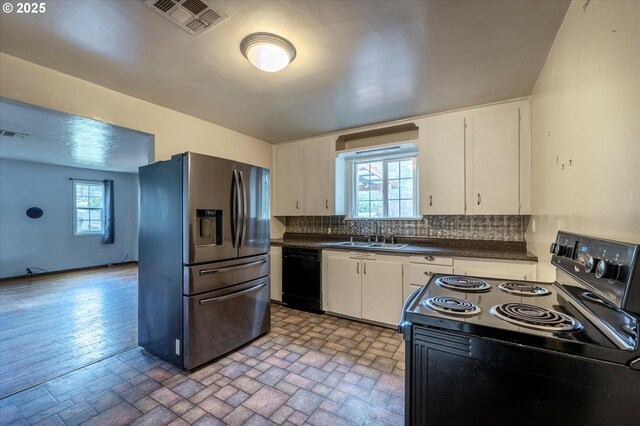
343, 285
319, 177
382, 291
442, 184
493, 161
276, 273
417, 275
288, 180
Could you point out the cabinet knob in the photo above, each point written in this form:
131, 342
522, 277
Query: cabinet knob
430, 200
297, 205
429, 258
326, 204
479, 199
364, 268
358, 268
428, 273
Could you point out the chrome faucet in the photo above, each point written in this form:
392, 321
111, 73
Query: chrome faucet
377, 234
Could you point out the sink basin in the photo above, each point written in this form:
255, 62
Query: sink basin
363, 244
387, 245
351, 244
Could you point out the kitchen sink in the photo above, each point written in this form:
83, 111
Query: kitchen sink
387, 245
363, 244
351, 244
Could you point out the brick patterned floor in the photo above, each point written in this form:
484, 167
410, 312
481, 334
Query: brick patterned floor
310, 369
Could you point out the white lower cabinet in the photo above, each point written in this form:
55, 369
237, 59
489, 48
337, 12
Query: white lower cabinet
276, 273
382, 291
343, 285
375, 286
492, 268
363, 285
416, 275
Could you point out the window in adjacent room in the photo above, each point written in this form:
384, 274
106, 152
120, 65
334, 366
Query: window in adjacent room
88, 199
384, 187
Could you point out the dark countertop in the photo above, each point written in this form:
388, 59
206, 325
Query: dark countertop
503, 250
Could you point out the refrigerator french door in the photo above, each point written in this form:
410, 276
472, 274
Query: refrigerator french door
203, 257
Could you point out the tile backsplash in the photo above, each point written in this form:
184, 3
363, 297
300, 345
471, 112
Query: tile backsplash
495, 228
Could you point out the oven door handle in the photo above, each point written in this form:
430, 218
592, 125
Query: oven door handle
405, 326
232, 295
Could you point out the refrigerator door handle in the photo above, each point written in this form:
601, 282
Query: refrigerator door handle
232, 268
232, 295
243, 216
235, 210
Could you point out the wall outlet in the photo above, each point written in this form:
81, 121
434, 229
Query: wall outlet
100, 255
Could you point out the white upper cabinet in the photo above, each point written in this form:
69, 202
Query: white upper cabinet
493, 160
318, 177
288, 180
475, 161
441, 167
303, 178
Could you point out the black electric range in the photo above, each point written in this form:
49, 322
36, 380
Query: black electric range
493, 351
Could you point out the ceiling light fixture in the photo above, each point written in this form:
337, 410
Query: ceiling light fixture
267, 52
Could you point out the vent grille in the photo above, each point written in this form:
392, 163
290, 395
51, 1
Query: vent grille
12, 134
194, 6
210, 16
193, 16
164, 5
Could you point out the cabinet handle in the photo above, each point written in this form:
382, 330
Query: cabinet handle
326, 204
479, 199
429, 258
364, 268
297, 204
430, 200
428, 273
358, 268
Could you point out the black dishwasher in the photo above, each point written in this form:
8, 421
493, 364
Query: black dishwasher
301, 278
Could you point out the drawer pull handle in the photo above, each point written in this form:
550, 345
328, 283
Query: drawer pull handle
428, 273
232, 295
233, 268
430, 258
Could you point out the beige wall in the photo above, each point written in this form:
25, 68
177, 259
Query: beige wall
174, 132
586, 111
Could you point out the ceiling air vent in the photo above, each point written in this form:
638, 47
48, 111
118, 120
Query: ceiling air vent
11, 134
193, 16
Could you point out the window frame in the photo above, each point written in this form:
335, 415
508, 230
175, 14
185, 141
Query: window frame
351, 164
75, 209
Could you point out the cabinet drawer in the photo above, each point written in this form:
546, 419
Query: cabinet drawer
415, 274
432, 260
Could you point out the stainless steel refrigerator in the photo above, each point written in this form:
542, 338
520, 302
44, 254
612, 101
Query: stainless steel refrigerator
203, 257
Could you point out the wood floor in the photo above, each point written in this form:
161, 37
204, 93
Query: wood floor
53, 324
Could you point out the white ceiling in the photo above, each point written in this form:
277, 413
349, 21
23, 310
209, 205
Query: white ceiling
359, 61
67, 140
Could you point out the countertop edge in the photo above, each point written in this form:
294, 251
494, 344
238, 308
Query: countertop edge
480, 253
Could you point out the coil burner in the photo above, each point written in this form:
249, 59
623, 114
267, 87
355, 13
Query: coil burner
535, 317
465, 284
452, 305
523, 289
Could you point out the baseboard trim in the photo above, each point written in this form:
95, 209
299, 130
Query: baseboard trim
63, 271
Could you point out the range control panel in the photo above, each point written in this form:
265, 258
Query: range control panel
610, 267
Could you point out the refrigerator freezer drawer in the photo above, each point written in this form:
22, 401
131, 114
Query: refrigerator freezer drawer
220, 321
215, 276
